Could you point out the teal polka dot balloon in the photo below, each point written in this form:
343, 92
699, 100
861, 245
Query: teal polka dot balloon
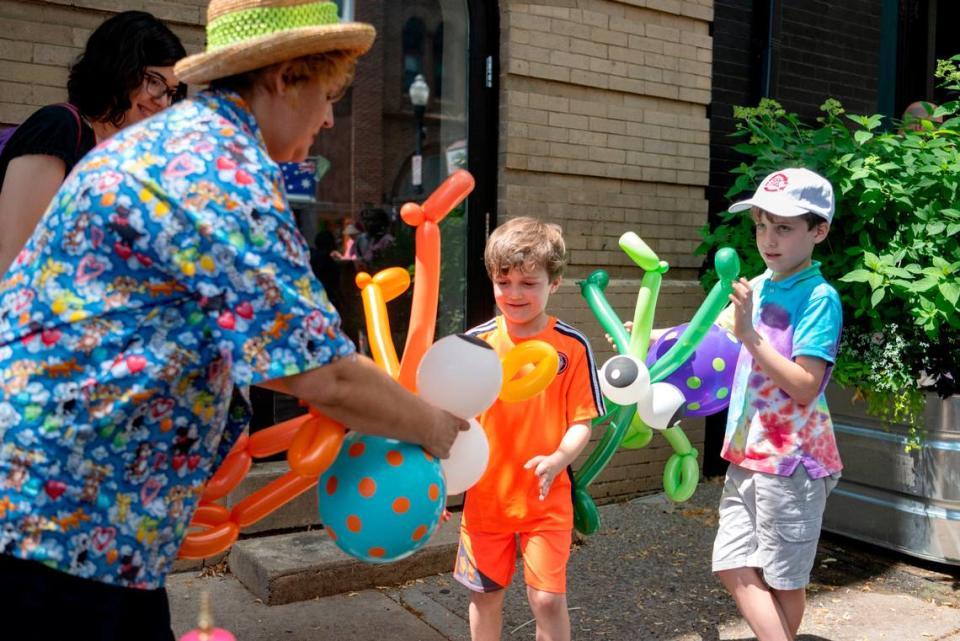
381, 499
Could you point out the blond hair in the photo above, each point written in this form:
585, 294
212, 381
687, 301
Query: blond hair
526, 244
335, 68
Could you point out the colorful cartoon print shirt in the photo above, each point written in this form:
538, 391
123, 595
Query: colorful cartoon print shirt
767, 431
166, 277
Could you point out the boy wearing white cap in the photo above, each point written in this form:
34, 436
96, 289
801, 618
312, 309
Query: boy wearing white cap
779, 437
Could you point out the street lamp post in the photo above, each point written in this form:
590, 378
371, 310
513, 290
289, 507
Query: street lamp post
419, 96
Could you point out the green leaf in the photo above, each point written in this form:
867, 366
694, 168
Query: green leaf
950, 291
924, 284
862, 136
898, 271
877, 296
935, 228
857, 276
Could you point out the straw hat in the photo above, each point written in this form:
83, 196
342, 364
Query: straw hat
243, 35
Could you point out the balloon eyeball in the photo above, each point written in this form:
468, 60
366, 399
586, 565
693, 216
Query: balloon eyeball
624, 379
662, 407
460, 374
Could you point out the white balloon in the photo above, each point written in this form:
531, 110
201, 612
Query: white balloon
624, 379
662, 406
468, 459
460, 374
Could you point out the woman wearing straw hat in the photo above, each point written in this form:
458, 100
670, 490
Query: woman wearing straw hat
166, 278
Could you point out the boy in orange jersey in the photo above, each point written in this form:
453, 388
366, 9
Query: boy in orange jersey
526, 490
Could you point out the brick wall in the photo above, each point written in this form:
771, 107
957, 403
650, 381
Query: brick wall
818, 50
39, 40
604, 130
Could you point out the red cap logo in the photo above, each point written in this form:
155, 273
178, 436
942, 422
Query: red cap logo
776, 182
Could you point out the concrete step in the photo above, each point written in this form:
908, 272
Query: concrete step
304, 565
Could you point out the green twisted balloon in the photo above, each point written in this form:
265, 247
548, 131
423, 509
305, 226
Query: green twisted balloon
681, 473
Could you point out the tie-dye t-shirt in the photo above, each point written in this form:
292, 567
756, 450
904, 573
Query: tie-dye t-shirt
166, 277
767, 431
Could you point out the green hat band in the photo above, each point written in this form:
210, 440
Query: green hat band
239, 26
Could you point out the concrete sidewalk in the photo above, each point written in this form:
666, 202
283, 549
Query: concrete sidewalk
645, 575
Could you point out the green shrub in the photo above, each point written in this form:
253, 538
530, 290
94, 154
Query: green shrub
893, 252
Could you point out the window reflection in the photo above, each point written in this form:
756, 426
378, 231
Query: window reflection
350, 216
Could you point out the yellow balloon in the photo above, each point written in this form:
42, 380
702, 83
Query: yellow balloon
545, 361
375, 292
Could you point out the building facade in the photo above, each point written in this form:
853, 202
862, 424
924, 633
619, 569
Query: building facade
604, 116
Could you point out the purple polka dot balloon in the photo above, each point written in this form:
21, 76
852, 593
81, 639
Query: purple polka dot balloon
705, 378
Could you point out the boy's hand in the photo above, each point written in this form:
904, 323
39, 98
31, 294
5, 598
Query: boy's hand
627, 325
742, 299
546, 468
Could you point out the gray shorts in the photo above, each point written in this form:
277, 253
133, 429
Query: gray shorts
772, 523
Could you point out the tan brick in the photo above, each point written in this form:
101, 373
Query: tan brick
572, 121
14, 50
33, 73
562, 150
549, 72
610, 67
589, 138
46, 95
617, 156
607, 36
589, 107
55, 55
586, 78
607, 125
643, 72
552, 134
595, 19
13, 113
700, 12
701, 96
572, 60
36, 32
550, 11
626, 54
16, 92
658, 32
570, 29
531, 53
699, 40
588, 48
528, 21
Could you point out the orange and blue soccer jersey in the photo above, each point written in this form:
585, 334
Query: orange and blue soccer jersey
507, 496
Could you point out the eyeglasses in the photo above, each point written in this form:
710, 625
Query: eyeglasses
157, 87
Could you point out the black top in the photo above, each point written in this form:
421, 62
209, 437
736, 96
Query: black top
50, 131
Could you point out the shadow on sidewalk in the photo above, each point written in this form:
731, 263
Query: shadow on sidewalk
842, 561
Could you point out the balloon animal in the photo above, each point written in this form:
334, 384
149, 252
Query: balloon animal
640, 398
312, 441
381, 499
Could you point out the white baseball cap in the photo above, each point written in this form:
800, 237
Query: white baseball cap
792, 192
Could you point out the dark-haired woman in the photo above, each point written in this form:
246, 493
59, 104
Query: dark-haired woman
124, 75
